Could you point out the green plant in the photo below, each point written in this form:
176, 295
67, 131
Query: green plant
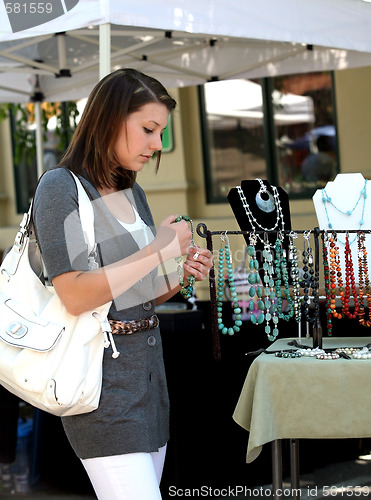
24, 137
66, 114
3, 111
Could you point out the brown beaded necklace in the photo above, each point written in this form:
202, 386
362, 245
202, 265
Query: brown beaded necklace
350, 284
326, 271
364, 282
335, 275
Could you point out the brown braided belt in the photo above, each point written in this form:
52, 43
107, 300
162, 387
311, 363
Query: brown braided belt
138, 325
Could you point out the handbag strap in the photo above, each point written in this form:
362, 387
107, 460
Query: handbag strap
87, 221
27, 229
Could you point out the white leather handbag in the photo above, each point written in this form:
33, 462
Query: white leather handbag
48, 357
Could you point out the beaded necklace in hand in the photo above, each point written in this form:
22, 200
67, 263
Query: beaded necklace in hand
186, 290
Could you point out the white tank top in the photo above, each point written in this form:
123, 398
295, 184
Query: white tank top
139, 230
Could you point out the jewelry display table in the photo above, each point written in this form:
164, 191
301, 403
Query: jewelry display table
304, 398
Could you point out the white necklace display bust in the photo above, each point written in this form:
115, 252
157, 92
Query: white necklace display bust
344, 204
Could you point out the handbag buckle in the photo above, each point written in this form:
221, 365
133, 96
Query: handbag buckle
17, 330
23, 232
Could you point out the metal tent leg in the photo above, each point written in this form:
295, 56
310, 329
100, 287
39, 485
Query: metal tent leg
277, 468
294, 468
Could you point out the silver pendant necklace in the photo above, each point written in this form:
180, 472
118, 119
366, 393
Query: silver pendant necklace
254, 223
264, 199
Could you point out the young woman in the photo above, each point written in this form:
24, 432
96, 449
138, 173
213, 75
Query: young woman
122, 443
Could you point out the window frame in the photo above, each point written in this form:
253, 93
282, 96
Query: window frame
269, 135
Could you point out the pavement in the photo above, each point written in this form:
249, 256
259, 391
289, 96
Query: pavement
347, 479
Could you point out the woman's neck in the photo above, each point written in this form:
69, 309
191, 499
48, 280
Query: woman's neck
118, 204
103, 191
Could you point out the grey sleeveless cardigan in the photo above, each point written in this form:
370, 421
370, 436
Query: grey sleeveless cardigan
133, 414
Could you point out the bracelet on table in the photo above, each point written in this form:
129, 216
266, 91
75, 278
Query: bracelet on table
186, 290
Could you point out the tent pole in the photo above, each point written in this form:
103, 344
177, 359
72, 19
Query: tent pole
39, 140
104, 50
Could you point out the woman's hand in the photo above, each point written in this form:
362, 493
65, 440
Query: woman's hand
173, 239
198, 263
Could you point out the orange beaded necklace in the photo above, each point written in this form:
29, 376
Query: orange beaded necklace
364, 282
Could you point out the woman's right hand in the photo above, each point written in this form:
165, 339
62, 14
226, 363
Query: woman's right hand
172, 239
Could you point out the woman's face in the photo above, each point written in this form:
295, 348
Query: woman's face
141, 136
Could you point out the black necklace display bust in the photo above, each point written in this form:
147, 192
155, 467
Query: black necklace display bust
258, 205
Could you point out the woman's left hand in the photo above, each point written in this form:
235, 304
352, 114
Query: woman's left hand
198, 262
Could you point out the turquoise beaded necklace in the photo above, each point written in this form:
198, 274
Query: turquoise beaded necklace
282, 277
220, 292
186, 290
326, 199
269, 293
256, 289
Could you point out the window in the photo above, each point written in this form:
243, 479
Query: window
306, 148
281, 129
234, 135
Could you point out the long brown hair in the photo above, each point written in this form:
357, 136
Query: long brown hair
111, 101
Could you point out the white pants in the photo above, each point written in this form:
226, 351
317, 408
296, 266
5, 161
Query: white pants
135, 476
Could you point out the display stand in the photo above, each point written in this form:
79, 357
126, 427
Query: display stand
263, 210
205, 233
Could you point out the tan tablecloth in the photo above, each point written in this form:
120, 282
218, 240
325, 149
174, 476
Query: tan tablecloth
293, 398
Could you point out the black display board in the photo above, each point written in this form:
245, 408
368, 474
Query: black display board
264, 219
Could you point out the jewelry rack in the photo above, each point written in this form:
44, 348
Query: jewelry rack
204, 232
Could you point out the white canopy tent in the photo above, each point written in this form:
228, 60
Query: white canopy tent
188, 43
60, 55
